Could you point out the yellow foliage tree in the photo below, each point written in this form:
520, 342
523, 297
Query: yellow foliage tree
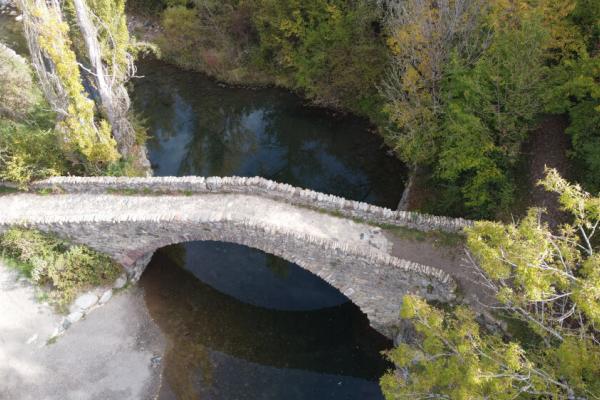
48, 35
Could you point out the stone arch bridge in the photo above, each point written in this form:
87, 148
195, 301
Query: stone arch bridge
337, 239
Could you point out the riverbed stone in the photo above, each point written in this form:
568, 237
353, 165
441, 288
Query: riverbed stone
86, 301
59, 330
105, 297
74, 316
120, 282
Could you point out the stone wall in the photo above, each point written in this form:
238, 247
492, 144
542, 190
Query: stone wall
259, 187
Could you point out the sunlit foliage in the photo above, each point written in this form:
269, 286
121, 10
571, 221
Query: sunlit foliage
468, 81
549, 280
65, 268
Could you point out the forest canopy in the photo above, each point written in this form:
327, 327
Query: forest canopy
454, 86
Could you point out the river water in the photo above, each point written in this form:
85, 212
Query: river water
243, 324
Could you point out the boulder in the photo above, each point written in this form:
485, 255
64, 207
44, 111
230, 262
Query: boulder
120, 282
74, 316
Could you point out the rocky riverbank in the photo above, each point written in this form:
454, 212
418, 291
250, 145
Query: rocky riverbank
112, 353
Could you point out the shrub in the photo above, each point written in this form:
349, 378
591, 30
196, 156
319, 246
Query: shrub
181, 37
18, 94
66, 268
28, 152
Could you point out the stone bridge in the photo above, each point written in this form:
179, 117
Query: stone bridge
339, 240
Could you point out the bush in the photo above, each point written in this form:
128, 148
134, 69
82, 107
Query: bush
28, 144
18, 93
29, 151
66, 268
182, 37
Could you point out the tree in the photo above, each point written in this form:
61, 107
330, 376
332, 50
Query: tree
79, 41
103, 27
58, 72
573, 85
549, 280
28, 146
328, 50
489, 108
422, 36
18, 93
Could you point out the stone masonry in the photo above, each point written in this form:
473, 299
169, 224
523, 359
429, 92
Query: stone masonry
255, 186
278, 219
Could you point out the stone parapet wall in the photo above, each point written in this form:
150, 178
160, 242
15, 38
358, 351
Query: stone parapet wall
254, 186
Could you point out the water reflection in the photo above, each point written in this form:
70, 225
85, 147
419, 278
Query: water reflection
201, 128
257, 278
224, 348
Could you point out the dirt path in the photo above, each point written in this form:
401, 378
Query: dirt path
106, 356
547, 146
450, 259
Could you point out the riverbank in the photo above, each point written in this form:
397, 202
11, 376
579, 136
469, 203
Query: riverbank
113, 353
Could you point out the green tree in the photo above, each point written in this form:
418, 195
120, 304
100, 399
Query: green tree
422, 35
329, 50
488, 110
573, 88
48, 35
549, 280
29, 148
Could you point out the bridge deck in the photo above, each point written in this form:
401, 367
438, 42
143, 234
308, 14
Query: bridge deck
32, 208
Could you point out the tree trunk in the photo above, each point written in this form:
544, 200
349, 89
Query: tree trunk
51, 85
113, 95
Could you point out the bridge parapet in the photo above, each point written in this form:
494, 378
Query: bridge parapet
255, 186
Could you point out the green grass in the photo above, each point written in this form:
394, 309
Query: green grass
439, 238
8, 190
13, 263
147, 192
52, 340
123, 192
46, 191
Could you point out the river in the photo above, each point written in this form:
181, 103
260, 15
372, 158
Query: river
243, 324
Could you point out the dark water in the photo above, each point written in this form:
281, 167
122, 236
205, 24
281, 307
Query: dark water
201, 128
244, 324
222, 347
